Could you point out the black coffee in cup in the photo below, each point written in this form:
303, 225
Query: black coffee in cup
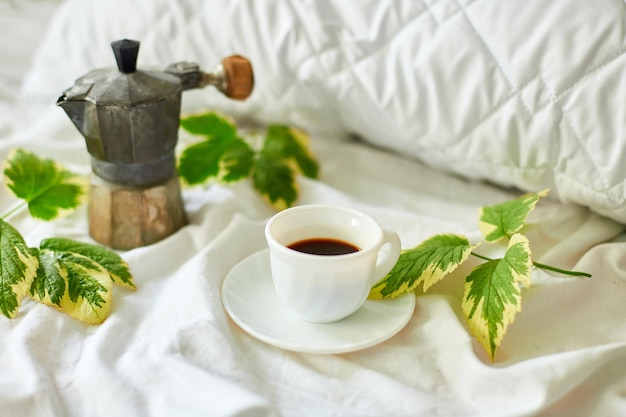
323, 246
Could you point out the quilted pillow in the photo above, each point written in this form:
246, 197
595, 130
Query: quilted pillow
523, 93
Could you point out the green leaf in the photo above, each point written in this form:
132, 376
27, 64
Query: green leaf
77, 278
49, 189
283, 142
283, 156
274, 179
74, 284
505, 219
49, 284
492, 293
236, 162
222, 155
209, 124
109, 260
18, 267
427, 263
225, 156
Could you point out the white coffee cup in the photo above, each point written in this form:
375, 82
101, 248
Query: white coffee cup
327, 288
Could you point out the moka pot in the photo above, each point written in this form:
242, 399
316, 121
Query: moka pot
130, 120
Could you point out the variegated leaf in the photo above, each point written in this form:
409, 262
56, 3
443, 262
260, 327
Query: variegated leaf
18, 267
427, 263
74, 284
290, 144
275, 181
285, 153
504, 219
492, 293
109, 260
49, 189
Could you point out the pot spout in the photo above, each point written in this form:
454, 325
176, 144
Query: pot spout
76, 110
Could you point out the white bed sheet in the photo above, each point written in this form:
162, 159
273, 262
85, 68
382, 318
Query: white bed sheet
169, 349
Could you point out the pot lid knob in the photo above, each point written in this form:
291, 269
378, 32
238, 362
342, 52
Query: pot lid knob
126, 51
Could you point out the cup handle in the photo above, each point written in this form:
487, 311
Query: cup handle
385, 263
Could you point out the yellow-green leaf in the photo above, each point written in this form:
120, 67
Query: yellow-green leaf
210, 124
109, 260
274, 179
222, 155
290, 144
18, 267
74, 284
504, 219
284, 155
49, 189
427, 263
227, 157
492, 293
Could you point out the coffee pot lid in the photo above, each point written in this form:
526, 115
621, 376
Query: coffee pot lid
125, 85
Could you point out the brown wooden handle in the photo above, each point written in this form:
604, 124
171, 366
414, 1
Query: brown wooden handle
239, 77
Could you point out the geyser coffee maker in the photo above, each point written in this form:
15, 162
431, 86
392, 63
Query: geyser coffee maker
130, 120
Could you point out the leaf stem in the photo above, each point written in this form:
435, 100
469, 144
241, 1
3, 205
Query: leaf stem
562, 271
543, 266
14, 210
484, 258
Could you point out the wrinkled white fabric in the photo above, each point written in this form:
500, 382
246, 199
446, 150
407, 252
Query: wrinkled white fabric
169, 348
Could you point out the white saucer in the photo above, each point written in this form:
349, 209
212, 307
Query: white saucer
250, 300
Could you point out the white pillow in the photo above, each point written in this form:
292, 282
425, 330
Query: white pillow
520, 93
